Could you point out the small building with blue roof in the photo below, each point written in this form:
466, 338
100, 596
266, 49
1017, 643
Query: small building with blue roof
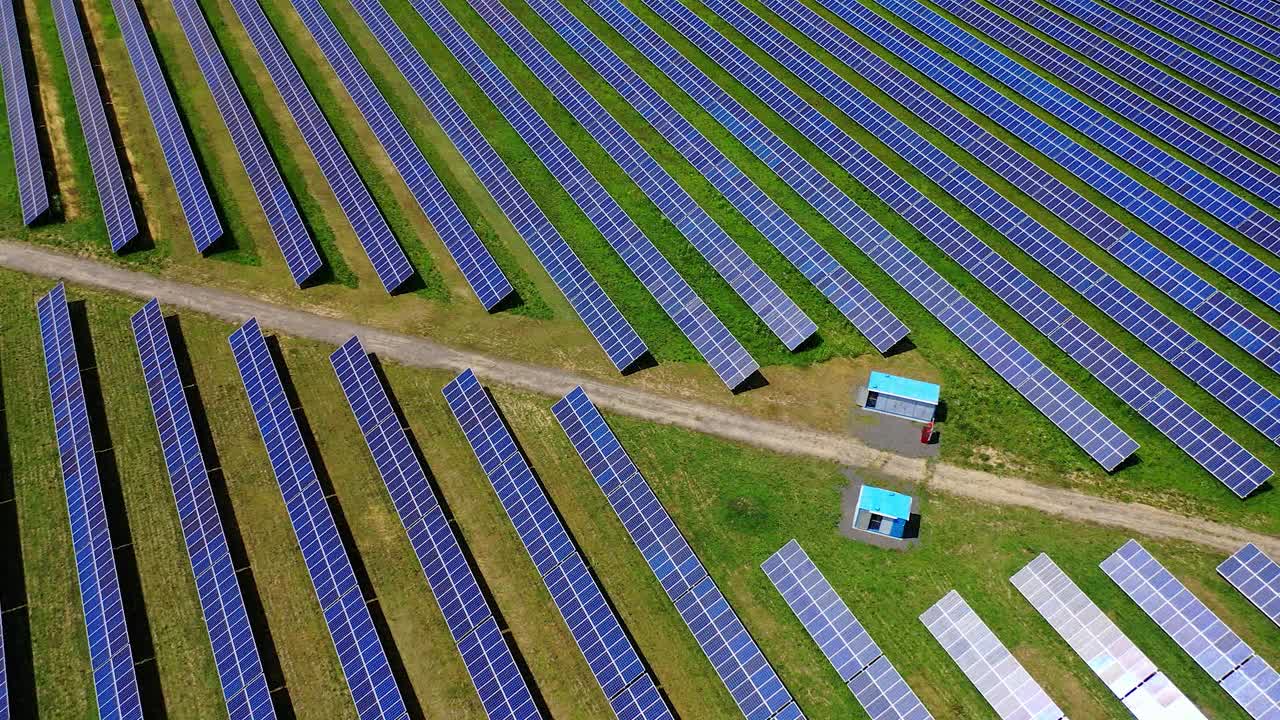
913, 400
882, 512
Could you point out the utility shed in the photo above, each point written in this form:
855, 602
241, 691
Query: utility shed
883, 512
914, 400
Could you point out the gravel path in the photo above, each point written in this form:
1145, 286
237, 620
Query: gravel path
784, 438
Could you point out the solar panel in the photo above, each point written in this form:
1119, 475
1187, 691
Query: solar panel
1248, 679
502, 688
859, 662
988, 664
1235, 25
472, 257
371, 229
360, 652
32, 193
1111, 655
595, 627
727, 357
826, 274
273, 195
751, 681
193, 195
1071, 413
4, 679
602, 318
1257, 577
1258, 9
111, 658
117, 213
640, 701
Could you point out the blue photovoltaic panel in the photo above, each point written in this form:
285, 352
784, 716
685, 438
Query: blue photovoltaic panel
117, 212
640, 701
273, 195
988, 664
727, 357
1100, 438
853, 300
596, 629
360, 652
1263, 10
244, 686
859, 662
502, 688
768, 301
602, 318
472, 257
193, 195
1247, 678
751, 681
1233, 24
370, 227
1257, 577
32, 193
114, 681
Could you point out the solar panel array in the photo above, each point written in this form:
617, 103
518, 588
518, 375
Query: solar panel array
4, 679
371, 229
1247, 678
33, 195
738, 661
360, 652
493, 670
602, 318
594, 625
114, 681
1108, 652
854, 301
472, 257
727, 357
988, 664
1234, 24
235, 654
1257, 577
1212, 197
193, 195
1100, 439
768, 301
1260, 9
273, 195
117, 212
861, 664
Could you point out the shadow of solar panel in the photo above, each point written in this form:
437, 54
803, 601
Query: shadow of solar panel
235, 654
727, 357
602, 318
371, 229
117, 212
360, 651
1254, 64
1257, 577
503, 692
33, 195
111, 658
273, 195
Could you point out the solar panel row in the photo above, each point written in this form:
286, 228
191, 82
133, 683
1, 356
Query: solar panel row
1257, 577
493, 670
853, 300
371, 229
4, 679
1071, 413
730, 360
117, 212
862, 666
988, 664
1229, 461
193, 195
273, 195
738, 661
1266, 12
594, 625
1248, 679
602, 318
235, 654
472, 257
111, 658
360, 652
759, 291
33, 195
1235, 25
1108, 652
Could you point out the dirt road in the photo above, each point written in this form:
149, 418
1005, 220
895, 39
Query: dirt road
783, 438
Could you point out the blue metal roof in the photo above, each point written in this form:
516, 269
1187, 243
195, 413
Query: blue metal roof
903, 387
884, 502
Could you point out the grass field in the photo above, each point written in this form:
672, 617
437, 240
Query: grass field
735, 505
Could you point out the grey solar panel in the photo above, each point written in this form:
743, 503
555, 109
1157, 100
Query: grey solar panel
33, 195
4, 678
1257, 577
